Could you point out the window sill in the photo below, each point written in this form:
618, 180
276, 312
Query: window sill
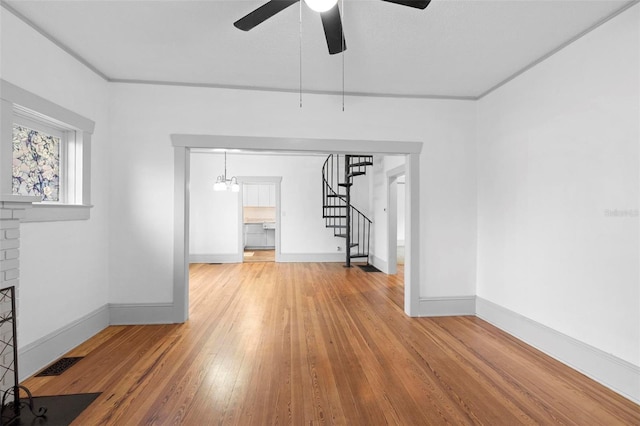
57, 212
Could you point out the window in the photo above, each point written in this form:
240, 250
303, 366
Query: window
46, 154
36, 162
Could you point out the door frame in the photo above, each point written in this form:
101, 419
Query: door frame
392, 218
242, 180
183, 143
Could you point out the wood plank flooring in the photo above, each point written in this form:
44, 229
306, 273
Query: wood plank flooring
259, 256
293, 343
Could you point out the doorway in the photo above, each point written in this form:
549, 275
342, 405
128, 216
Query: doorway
396, 219
259, 218
183, 144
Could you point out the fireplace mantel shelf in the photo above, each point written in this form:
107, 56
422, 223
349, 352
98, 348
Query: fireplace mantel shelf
10, 198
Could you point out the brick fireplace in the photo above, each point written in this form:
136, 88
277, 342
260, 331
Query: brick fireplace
12, 210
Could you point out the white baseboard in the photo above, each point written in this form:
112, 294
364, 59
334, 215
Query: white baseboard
609, 370
446, 306
215, 258
380, 264
36, 355
613, 372
311, 257
140, 313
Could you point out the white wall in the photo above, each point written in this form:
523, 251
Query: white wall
401, 200
380, 199
143, 117
63, 265
214, 215
557, 148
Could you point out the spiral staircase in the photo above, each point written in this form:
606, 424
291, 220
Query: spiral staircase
344, 219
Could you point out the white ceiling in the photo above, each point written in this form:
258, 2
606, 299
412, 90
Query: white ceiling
453, 48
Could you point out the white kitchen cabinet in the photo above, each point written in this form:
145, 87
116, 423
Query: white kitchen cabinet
254, 235
259, 195
272, 196
258, 236
271, 237
255, 240
263, 195
251, 195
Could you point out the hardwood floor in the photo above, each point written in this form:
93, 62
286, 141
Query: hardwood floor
297, 344
259, 256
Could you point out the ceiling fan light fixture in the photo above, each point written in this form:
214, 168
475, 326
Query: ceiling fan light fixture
321, 5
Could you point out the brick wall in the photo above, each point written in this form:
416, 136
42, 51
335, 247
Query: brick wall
10, 214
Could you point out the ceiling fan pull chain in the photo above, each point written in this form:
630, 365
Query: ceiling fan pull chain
343, 49
300, 32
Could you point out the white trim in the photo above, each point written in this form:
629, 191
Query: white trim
214, 258
54, 40
381, 264
57, 212
557, 49
303, 145
615, 373
105, 77
277, 181
6, 146
38, 105
182, 174
392, 225
184, 143
141, 313
17, 201
75, 190
48, 348
412, 232
392, 219
284, 90
312, 257
446, 306
396, 171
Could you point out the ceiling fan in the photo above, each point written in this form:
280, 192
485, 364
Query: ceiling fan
329, 14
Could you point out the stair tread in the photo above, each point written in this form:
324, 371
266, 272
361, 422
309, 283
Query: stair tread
359, 255
328, 216
354, 174
336, 226
361, 164
344, 185
336, 195
334, 207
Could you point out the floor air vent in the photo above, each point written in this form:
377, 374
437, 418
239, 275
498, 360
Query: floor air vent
369, 268
59, 367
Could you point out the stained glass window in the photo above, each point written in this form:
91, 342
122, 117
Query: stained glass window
36, 163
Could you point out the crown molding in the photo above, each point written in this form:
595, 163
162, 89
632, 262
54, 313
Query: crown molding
312, 92
558, 49
108, 79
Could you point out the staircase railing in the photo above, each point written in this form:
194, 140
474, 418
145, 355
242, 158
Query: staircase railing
360, 234
346, 221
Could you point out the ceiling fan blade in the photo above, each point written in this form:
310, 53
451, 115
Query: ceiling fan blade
262, 13
332, 24
417, 4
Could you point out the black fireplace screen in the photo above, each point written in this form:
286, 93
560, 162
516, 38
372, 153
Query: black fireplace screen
9, 384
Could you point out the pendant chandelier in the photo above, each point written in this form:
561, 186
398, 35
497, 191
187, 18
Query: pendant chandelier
225, 184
